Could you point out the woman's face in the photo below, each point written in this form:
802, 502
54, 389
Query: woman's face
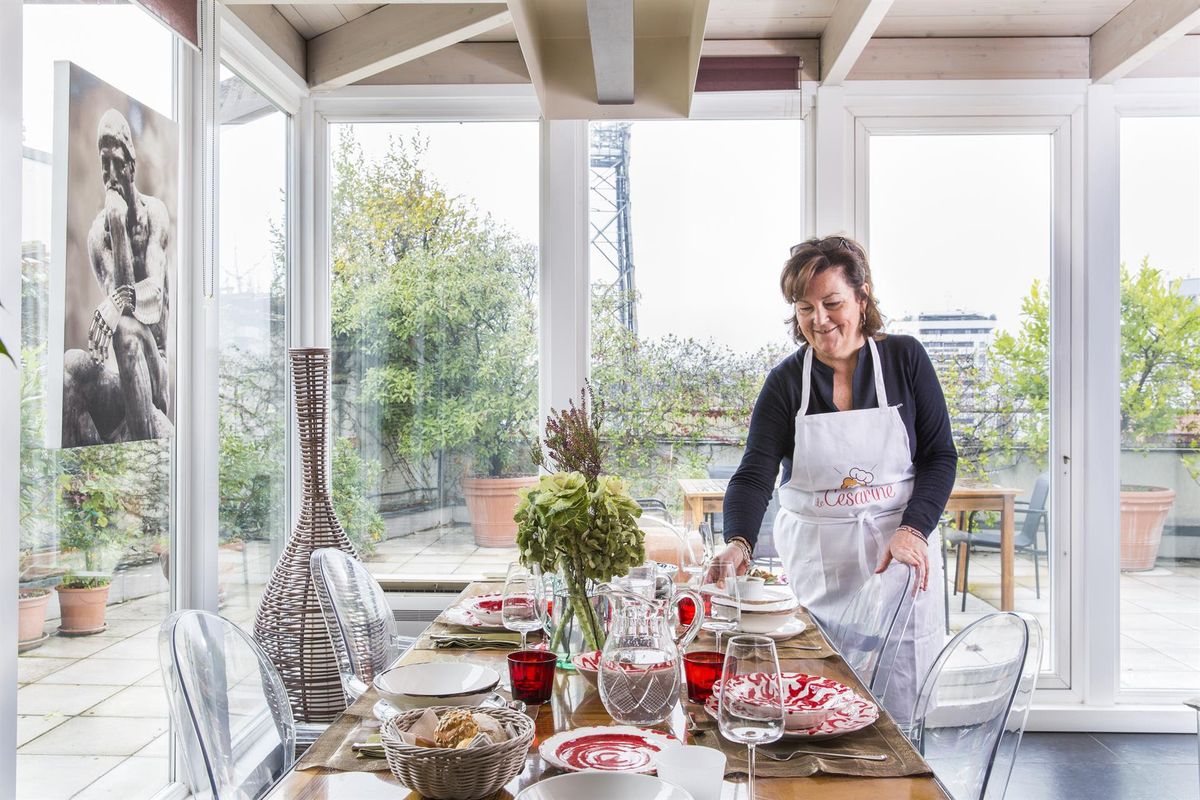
830, 316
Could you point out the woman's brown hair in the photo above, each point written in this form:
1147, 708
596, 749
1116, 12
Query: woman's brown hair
810, 258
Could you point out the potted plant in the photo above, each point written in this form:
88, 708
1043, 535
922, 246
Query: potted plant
82, 600
577, 523
31, 617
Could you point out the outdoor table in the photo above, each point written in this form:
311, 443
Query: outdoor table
575, 704
701, 496
964, 499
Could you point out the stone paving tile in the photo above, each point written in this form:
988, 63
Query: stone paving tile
29, 727
153, 679
159, 748
1159, 679
123, 672
1147, 658
72, 647
42, 777
135, 701
145, 649
32, 667
51, 698
101, 736
135, 778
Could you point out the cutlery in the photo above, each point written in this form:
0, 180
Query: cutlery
857, 756
800, 647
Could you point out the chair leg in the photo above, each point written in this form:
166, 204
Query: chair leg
966, 570
1037, 574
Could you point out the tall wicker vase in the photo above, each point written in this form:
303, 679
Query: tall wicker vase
289, 626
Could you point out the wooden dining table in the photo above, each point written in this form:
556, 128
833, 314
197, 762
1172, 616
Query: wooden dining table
967, 498
574, 704
701, 496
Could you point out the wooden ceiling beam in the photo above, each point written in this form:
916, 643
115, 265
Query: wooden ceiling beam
392, 35
846, 36
1141, 31
271, 33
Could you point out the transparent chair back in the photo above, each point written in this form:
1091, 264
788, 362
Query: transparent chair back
971, 711
868, 632
361, 624
228, 707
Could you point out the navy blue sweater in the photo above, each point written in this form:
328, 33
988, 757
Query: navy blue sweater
911, 384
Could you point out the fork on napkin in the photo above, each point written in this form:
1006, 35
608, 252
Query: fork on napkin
477, 641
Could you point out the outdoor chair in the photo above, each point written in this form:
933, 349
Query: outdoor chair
361, 625
1033, 513
970, 714
870, 627
765, 552
228, 707
654, 507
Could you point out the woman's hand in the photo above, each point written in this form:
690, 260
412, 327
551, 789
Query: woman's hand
732, 554
909, 547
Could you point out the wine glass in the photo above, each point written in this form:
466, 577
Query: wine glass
724, 612
519, 610
751, 705
696, 553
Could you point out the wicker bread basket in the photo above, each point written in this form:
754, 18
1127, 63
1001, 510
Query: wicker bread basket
442, 773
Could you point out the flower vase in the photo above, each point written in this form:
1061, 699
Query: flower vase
563, 628
289, 625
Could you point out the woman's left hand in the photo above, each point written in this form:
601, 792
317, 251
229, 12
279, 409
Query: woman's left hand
909, 547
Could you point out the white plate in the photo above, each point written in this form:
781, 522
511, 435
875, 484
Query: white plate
603, 786
442, 683
606, 748
775, 598
789, 629
458, 615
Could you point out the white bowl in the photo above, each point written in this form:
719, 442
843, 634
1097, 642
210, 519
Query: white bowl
603, 786
445, 683
754, 621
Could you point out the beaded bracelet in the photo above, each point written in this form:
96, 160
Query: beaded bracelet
744, 546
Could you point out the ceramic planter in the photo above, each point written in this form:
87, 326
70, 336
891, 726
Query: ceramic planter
1144, 511
82, 610
31, 621
491, 502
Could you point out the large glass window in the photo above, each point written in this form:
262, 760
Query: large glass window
1160, 403
100, 232
435, 368
691, 223
253, 395
960, 245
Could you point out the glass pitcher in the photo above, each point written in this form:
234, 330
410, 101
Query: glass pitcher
640, 663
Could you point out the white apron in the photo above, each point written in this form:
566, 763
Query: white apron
852, 477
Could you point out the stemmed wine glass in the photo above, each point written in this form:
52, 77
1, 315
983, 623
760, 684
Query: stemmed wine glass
751, 705
519, 610
724, 612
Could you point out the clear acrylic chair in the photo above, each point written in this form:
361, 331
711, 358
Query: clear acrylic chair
361, 624
228, 707
869, 629
970, 714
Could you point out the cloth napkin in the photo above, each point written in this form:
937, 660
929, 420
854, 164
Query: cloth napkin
476, 641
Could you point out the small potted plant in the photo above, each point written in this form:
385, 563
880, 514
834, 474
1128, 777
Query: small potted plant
31, 608
82, 600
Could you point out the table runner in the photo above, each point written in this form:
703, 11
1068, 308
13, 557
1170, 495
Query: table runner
332, 750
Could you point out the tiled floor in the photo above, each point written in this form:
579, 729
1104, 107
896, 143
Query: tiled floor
93, 714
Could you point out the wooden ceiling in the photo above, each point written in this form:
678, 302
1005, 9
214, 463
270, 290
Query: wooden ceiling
551, 44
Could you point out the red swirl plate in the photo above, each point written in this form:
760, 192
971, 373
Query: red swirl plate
613, 748
854, 715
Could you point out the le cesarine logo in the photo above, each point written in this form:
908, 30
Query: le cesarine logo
856, 490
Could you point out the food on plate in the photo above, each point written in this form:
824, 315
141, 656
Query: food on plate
768, 577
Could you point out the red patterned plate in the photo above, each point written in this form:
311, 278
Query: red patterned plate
486, 607
854, 715
461, 615
612, 748
807, 699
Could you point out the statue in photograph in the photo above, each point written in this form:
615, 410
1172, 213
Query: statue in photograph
127, 248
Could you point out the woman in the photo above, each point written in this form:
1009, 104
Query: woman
859, 422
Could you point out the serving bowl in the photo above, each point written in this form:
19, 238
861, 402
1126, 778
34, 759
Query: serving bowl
760, 619
453, 683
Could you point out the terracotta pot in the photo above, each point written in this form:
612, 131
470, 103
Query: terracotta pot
82, 610
31, 620
491, 503
1143, 512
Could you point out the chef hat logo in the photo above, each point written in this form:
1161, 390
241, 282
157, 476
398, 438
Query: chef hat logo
861, 475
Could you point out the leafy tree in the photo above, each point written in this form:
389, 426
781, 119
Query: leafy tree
434, 318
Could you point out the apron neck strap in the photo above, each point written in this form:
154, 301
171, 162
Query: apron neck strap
806, 385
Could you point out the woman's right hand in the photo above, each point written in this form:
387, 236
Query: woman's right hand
732, 554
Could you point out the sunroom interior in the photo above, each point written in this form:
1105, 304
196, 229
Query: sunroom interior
482, 208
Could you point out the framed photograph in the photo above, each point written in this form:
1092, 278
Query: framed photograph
111, 360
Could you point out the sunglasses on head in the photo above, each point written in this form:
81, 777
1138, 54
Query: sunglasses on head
827, 245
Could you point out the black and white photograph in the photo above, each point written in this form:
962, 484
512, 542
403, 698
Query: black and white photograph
113, 265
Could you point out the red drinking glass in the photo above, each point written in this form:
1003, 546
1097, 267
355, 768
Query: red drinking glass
702, 669
532, 675
687, 611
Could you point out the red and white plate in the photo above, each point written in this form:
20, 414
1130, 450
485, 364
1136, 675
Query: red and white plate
612, 748
802, 693
462, 615
486, 607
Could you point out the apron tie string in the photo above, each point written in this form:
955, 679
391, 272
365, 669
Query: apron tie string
865, 521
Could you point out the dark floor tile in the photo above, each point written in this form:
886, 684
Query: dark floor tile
1175, 781
1062, 748
1083, 781
1151, 748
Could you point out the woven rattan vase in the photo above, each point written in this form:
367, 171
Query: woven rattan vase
289, 626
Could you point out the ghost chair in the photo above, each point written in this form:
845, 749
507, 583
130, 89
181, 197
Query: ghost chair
970, 714
361, 624
228, 707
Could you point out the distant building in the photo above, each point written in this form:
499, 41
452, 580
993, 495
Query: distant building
1190, 287
950, 333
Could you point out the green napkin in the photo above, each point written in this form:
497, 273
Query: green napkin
476, 641
371, 748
